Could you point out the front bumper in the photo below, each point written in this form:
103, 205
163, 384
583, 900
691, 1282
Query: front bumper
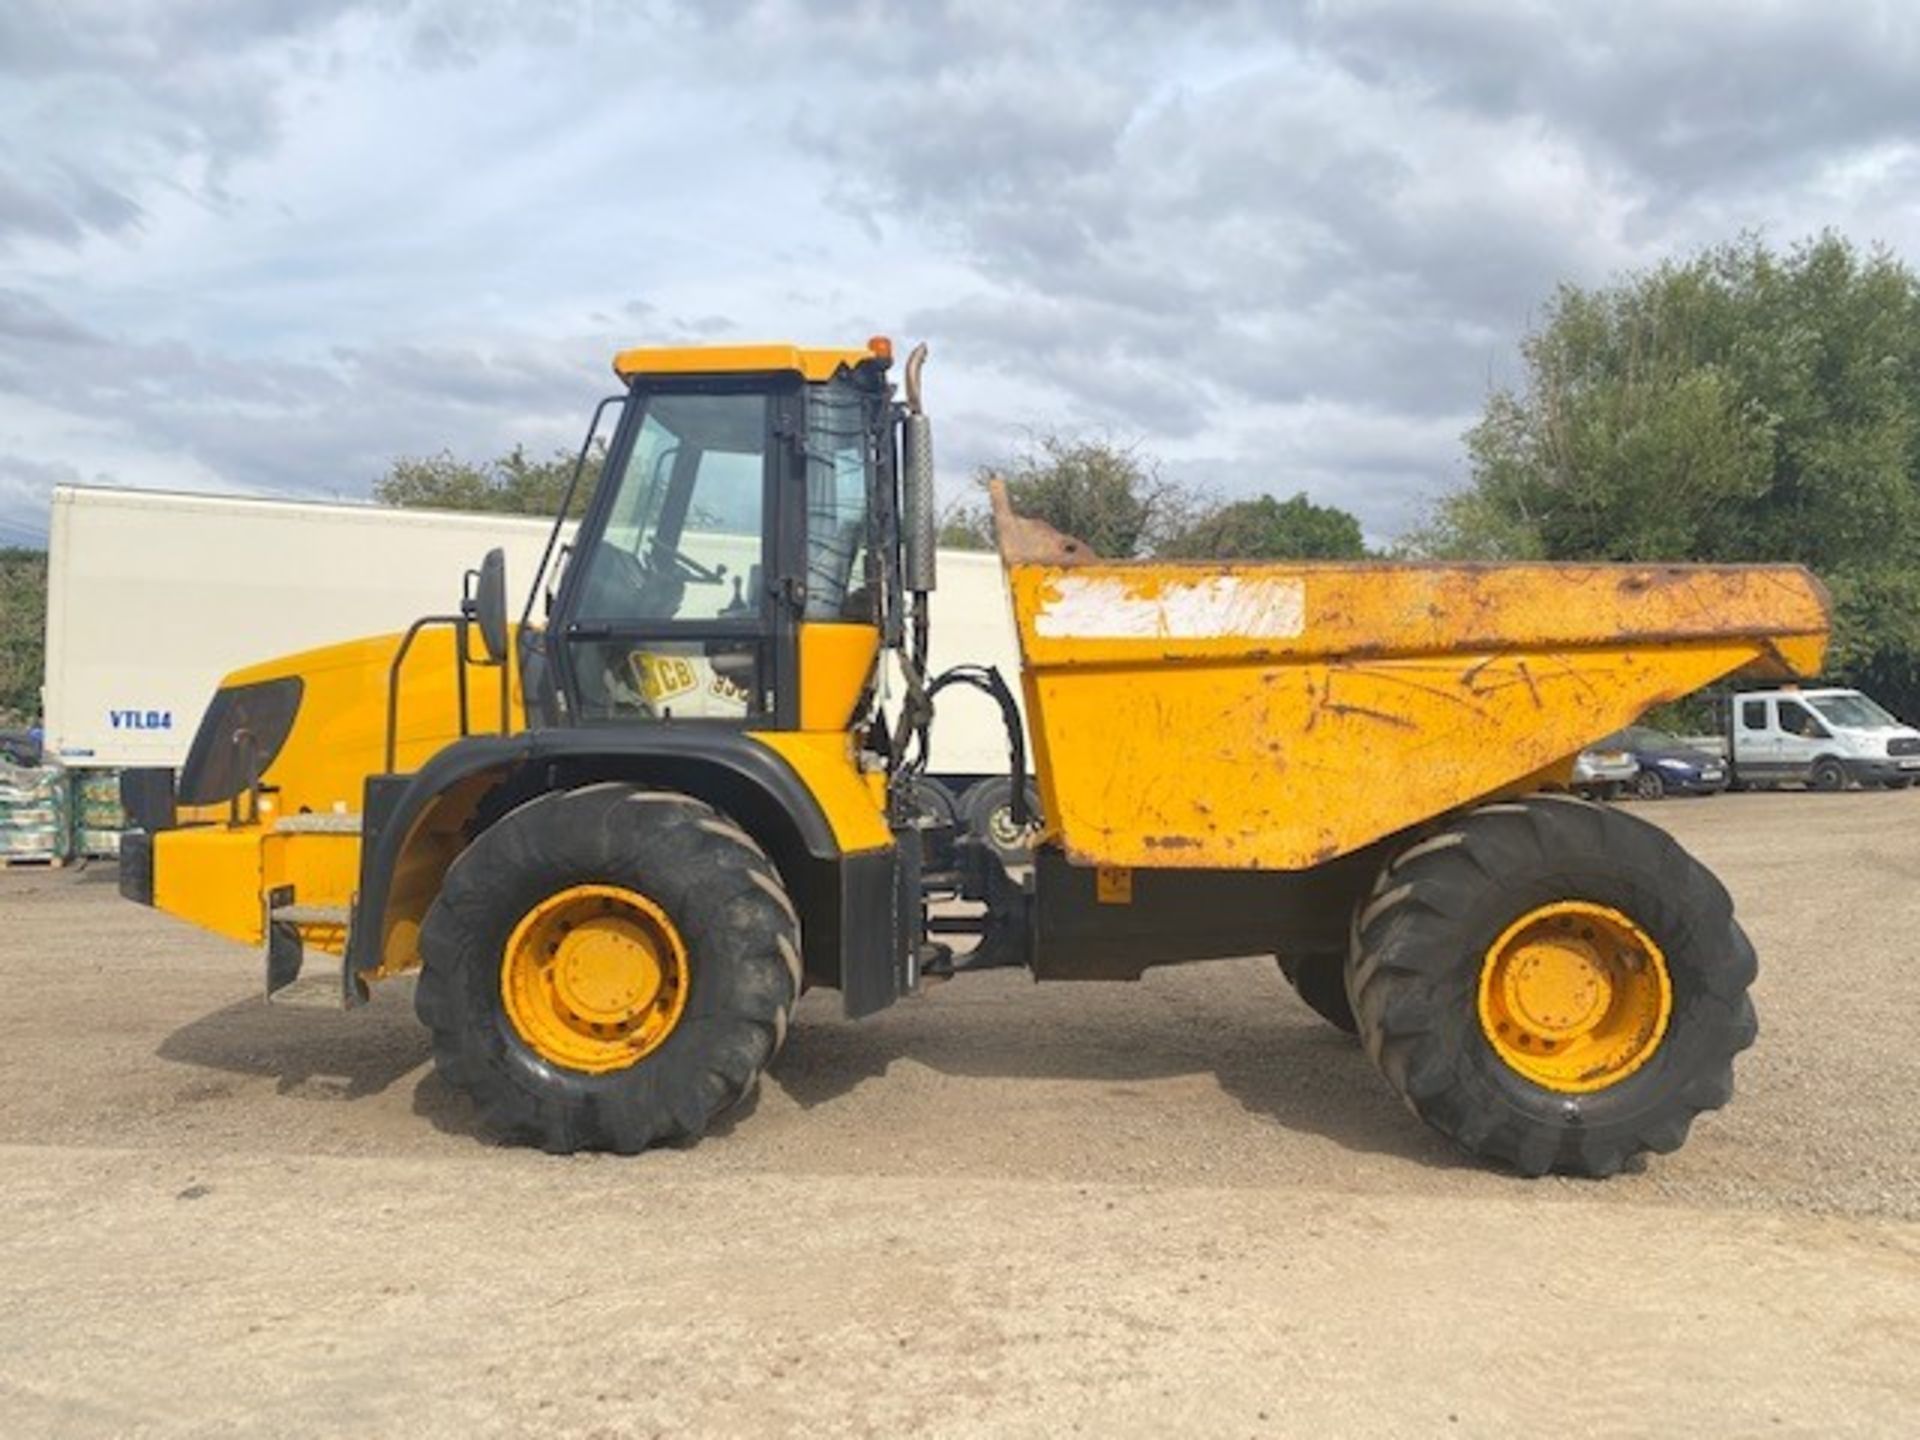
1693, 782
1899, 767
1602, 779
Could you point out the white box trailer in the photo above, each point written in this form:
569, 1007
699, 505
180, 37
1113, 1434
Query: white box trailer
153, 597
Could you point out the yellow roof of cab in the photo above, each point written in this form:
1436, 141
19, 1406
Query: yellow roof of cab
740, 359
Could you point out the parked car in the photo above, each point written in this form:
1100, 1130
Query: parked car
20, 747
1666, 765
1603, 771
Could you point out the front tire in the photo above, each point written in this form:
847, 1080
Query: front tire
608, 968
1648, 785
1553, 985
1828, 775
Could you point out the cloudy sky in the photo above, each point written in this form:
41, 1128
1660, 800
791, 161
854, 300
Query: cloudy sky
267, 245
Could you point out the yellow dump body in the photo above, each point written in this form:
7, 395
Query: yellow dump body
1276, 716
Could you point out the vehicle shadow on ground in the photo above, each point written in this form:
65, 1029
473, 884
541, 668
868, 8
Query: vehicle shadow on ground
1277, 1060
316, 1056
324, 1057
1271, 1056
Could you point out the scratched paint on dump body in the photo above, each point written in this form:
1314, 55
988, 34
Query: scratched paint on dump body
1407, 691
1107, 607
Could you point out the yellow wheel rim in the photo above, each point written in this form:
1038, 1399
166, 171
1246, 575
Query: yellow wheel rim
1575, 996
594, 978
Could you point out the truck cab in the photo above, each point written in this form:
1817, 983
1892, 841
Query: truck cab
1825, 739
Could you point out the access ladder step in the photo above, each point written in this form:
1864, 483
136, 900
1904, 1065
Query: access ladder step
318, 823
319, 984
305, 976
331, 916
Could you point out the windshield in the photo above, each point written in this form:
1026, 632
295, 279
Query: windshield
683, 531
1854, 712
1645, 737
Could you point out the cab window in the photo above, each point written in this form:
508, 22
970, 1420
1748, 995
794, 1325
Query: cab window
1796, 719
1753, 714
683, 533
670, 621
838, 449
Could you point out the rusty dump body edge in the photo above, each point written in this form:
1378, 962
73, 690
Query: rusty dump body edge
1212, 715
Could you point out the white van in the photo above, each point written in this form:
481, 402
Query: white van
1825, 739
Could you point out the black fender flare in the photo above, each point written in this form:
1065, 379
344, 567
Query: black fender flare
729, 761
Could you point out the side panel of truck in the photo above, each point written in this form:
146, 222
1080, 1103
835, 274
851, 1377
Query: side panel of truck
973, 625
1778, 738
1756, 741
153, 597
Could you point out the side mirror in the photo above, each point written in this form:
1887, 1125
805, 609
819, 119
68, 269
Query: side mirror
919, 531
489, 605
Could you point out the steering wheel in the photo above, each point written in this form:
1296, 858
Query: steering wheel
685, 565
621, 586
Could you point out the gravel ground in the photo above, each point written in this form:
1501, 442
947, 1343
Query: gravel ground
999, 1208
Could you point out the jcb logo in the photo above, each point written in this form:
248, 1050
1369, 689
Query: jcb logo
140, 719
662, 677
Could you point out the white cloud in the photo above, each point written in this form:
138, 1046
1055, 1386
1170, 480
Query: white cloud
270, 246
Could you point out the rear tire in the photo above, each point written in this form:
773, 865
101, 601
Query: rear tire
1321, 982
1425, 951
987, 811
933, 801
716, 891
1828, 775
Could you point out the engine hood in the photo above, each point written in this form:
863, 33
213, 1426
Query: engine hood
338, 731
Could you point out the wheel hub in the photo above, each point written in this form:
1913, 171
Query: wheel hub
1001, 826
594, 977
1574, 996
606, 970
1557, 986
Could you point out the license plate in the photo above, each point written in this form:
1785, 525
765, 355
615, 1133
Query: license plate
1713, 774
1913, 764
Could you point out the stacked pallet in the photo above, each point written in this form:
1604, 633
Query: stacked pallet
34, 814
97, 816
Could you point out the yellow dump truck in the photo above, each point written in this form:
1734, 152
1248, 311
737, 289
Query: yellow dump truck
616, 839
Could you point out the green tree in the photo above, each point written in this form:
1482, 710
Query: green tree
23, 633
1740, 405
965, 526
1268, 529
514, 483
1111, 496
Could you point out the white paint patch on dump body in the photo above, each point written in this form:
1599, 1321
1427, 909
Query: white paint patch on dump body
1085, 607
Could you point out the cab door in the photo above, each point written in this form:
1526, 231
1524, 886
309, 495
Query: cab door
672, 610
839, 629
1756, 743
1802, 738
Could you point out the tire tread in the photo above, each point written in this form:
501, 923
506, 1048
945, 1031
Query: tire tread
740, 927
1413, 1004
